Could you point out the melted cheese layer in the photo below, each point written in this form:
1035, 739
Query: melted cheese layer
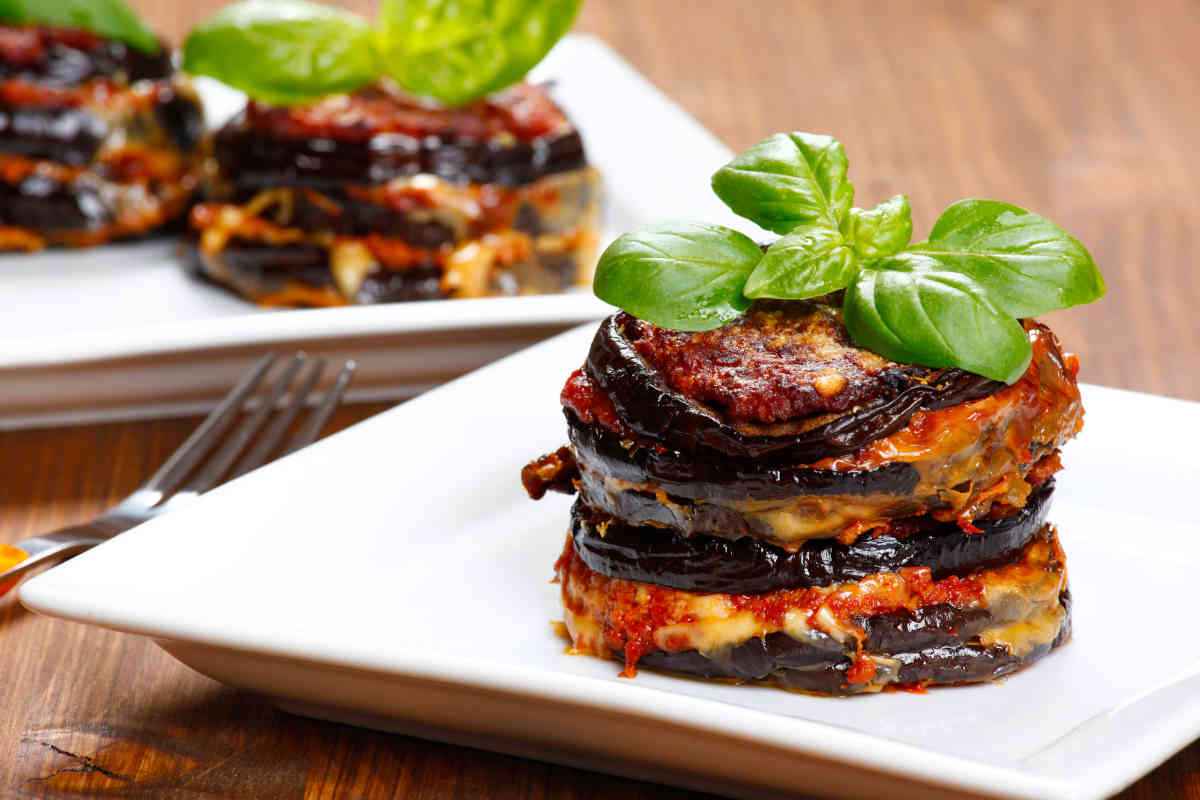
606, 615
489, 257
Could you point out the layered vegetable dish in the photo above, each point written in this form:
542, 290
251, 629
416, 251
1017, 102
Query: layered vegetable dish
769, 502
373, 197
98, 139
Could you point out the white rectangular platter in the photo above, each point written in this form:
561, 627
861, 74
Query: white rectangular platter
125, 330
394, 575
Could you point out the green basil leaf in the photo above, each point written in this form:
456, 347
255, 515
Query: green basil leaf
923, 315
112, 19
1026, 263
788, 180
808, 262
687, 276
456, 51
283, 51
882, 231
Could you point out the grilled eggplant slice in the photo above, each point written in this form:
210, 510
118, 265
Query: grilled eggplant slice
400, 200
750, 566
954, 462
843, 399
67, 57
889, 629
98, 141
817, 669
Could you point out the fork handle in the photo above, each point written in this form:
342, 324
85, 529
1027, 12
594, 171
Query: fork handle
44, 550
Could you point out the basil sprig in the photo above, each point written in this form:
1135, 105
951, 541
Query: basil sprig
953, 300
286, 52
112, 19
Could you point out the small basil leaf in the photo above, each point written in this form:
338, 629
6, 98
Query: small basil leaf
808, 262
687, 276
923, 315
456, 51
283, 51
1026, 263
788, 180
112, 19
881, 231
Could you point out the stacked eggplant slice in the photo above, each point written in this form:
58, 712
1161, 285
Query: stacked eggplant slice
768, 502
374, 197
98, 140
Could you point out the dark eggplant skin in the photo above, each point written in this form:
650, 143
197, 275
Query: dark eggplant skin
252, 160
934, 647
74, 135
47, 205
181, 117
340, 212
659, 414
70, 59
726, 479
261, 265
750, 566
69, 136
306, 263
414, 283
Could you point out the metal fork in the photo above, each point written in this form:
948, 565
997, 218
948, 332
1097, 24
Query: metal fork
166, 490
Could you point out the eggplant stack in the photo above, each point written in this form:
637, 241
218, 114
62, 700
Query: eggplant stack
98, 140
768, 502
373, 197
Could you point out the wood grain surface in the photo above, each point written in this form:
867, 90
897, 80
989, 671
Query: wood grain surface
1084, 111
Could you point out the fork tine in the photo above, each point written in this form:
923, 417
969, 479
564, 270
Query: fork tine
216, 467
183, 460
324, 410
266, 444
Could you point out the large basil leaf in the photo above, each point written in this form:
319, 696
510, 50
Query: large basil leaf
112, 19
1025, 263
788, 180
456, 51
881, 231
283, 51
686, 276
810, 261
922, 315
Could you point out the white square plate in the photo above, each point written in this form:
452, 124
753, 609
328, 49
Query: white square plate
395, 575
125, 330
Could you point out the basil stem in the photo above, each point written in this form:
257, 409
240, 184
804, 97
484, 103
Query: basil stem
881, 231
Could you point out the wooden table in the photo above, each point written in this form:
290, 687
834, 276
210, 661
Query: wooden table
1082, 110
